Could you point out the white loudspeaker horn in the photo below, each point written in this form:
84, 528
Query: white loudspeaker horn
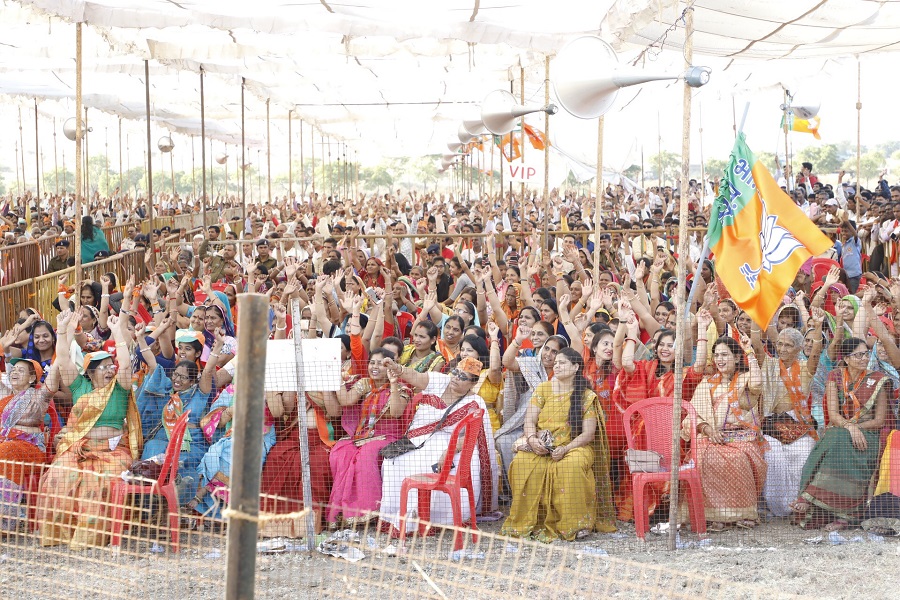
500, 110
588, 77
454, 146
69, 129
463, 134
473, 126
221, 158
803, 111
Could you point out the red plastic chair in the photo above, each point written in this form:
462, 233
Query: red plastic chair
657, 416
446, 482
164, 486
32, 483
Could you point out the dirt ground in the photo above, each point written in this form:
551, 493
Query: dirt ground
775, 560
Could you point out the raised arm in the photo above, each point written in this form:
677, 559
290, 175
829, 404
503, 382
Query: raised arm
512, 351
123, 356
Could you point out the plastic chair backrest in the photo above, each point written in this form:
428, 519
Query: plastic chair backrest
173, 450
657, 416
473, 425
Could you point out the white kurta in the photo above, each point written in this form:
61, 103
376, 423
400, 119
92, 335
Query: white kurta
394, 471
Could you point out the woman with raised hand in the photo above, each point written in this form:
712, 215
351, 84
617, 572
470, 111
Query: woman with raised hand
552, 476
355, 460
99, 442
23, 405
730, 441
163, 399
444, 401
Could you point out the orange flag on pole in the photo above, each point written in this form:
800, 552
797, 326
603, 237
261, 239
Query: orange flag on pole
759, 237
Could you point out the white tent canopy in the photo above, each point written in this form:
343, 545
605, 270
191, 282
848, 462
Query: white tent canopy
393, 77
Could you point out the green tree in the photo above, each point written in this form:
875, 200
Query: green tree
825, 158
633, 172
870, 165
715, 167
671, 166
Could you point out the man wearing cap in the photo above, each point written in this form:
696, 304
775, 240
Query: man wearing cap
264, 255
61, 260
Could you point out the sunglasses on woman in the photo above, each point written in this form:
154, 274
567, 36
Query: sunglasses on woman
463, 376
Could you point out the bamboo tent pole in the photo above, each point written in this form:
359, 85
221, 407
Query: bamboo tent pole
681, 330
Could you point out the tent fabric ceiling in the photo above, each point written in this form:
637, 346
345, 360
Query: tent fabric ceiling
391, 77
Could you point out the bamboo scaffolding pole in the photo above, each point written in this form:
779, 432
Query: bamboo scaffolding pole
598, 200
78, 131
681, 329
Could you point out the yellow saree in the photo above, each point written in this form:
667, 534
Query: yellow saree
75, 490
556, 499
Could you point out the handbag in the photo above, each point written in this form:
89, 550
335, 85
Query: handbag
643, 461
404, 444
544, 436
784, 428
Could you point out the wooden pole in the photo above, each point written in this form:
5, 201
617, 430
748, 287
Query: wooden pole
598, 200
681, 329
243, 161
268, 154
37, 157
290, 164
194, 178
121, 180
55, 165
786, 126
522, 126
203, 199
78, 199
22, 163
149, 142
858, 125
546, 132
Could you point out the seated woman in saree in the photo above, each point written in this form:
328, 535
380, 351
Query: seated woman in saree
730, 442
422, 354
787, 422
23, 404
445, 399
636, 381
99, 442
162, 400
552, 474
835, 480
355, 460
524, 374
215, 466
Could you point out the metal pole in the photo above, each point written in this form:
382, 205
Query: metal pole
203, 199
22, 145
659, 158
268, 155
194, 179
681, 330
149, 146
304, 440
330, 189
18, 191
598, 200
312, 149
258, 177
172, 170
243, 511
78, 132
243, 161
106, 151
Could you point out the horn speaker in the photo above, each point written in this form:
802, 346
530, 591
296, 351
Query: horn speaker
500, 110
588, 77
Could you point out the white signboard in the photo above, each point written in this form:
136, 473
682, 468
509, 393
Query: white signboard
321, 365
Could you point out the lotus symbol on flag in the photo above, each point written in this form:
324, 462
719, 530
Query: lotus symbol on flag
776, 245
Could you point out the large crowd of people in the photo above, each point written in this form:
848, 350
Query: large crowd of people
444, 307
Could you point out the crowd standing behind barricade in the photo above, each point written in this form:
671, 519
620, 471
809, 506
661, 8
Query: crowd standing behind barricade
444, 308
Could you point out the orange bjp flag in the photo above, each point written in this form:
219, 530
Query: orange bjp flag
759, 237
